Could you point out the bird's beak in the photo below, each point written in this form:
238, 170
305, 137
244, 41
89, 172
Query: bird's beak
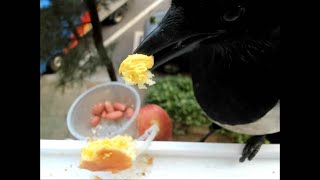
165, 43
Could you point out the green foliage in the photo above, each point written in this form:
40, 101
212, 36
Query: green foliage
152, 20
54, 21
175, 95
237, 138
51, 33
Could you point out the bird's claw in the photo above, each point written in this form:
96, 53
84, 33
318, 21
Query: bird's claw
252, 147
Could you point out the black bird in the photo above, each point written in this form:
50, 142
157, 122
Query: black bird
233, 48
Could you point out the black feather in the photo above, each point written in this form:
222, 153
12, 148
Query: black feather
236, 82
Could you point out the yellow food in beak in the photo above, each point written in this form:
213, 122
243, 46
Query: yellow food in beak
135, 70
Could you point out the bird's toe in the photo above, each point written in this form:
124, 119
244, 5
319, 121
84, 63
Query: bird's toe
251, 148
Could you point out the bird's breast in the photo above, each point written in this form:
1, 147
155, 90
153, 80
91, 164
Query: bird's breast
268, 124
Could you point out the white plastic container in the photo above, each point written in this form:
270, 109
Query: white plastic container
80, 111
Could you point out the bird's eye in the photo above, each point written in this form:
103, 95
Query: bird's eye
234, 14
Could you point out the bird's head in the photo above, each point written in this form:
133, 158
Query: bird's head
188, 23
233, 47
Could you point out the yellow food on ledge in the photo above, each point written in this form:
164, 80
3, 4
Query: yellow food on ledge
135, 70
115, 154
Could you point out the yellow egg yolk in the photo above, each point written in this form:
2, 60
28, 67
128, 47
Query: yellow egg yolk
113, 154
135, 70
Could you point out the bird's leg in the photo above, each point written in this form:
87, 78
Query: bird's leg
274, 138
212, 128
252, 147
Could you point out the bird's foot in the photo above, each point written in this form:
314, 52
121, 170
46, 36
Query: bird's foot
252, 147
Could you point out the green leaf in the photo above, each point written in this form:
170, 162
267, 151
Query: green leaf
175, 95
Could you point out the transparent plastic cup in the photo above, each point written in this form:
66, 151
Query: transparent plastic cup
79, 114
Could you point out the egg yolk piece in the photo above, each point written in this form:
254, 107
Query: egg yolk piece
113, 155
135, 70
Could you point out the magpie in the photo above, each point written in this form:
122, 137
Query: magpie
233, 51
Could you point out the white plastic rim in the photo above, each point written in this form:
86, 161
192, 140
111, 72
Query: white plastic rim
132, 119
147, 137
